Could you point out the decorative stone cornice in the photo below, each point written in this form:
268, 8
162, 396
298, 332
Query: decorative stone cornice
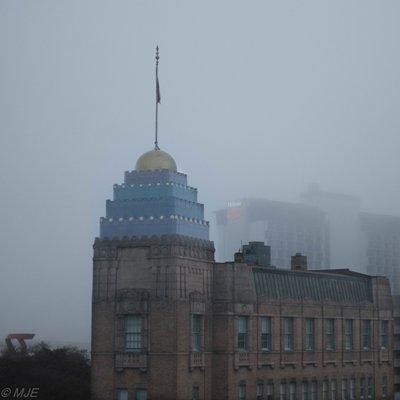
153, 219
151, 184
160, 246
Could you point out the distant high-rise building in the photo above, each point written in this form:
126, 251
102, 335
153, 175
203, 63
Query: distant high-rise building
327, 227
342, 212
286, 227
367, 243
380, 239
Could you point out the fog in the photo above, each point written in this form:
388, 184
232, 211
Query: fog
258, 98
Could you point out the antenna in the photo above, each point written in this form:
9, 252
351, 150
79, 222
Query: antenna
158, 101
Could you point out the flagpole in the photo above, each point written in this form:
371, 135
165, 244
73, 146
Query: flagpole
157, 101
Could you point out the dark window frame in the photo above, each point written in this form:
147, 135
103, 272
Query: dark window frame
288, 334
330, 342
243, 334
310, 334
266, 341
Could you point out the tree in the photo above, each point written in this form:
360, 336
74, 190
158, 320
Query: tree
59, 374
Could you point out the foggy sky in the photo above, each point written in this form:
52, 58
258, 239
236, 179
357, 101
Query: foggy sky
259, 98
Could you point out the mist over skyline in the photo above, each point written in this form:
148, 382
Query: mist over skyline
257, 100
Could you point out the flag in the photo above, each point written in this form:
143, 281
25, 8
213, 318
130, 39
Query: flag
158, 95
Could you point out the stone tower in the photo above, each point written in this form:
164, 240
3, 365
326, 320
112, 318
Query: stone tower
152, 280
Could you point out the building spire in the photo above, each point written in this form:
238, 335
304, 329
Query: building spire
158, 101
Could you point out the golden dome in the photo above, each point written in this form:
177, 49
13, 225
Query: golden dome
155, 160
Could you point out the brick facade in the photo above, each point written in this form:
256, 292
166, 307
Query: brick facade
201, 326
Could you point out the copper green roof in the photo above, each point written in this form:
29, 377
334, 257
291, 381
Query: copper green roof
313, 285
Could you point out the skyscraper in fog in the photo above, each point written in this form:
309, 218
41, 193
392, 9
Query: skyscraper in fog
287, 227
342, 213
380, 239
329, 228
365, 242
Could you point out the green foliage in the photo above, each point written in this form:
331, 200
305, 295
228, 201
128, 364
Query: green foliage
60, 374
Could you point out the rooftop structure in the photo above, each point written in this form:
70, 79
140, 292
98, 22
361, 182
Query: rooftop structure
154, 200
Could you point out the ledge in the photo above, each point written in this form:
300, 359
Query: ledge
138, 241
196, 360
131, 360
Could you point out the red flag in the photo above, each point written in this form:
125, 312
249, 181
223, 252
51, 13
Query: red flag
158, 95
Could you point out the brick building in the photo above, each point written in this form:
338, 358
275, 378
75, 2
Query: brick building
169, 323
396, 345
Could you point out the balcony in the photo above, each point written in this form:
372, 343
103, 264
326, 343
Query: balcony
242, 359
196, 360
385, 355
267, 359
131, 360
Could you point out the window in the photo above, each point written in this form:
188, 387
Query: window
196, 331
288, 332
309, 334
348, 334
243, 331
242, 391
384, 334
304, 391
133, 333
344, 389
366, 334
260, 391
333, 389
196, 393
314, 390
292, 391
362, 388
270, 391
325, 390
330, 334
282, 391
122, 394
266, 333
352, 389
370, 388
384, 387
141, 394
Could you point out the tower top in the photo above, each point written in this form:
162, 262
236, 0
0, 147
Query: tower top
155, 160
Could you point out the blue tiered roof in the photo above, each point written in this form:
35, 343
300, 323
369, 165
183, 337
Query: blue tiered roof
154, 202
